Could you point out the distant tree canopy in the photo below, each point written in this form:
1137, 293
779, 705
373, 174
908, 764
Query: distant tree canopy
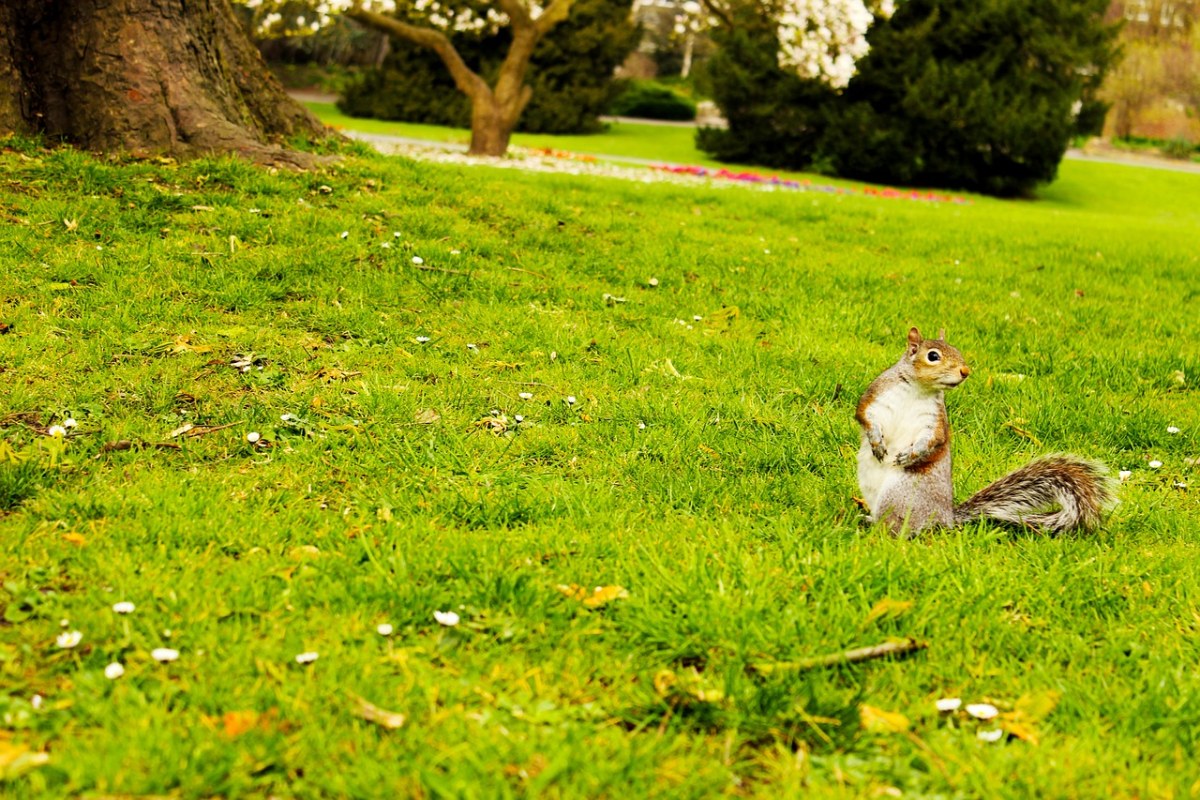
1155, 88
570, 73
974, 94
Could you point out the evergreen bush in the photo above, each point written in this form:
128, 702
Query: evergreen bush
652, 100
968, 94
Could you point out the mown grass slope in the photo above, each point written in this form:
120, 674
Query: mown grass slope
706, 467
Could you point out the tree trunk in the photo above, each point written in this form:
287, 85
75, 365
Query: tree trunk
494, 111
492, 123
169, 76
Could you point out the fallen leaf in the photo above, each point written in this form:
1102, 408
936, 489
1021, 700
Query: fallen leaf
876, 720
887, 608
381, 717
77, 539
329, 374
235, 723
685, 688
426, 416
181, 430
1022, 730
595, 598
17, 759
1036, 706
496, 425
183, 344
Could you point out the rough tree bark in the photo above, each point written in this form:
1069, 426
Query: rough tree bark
494, 109
167, 76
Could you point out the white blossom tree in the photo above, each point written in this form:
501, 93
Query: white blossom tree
495, 107
820, 39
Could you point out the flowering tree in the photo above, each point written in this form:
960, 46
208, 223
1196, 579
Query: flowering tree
495, 107
819, 39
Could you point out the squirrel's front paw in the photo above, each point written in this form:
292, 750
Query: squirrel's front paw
878, 450
905, 459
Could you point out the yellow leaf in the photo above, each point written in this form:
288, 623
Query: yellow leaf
599, 596
235, 723
329, 374
381, 717
77, 539
1022, 730
183, 344
876, 720
664, 682
17, 759
1036, 706
887, 608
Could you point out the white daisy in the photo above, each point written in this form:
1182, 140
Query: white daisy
447, 618
982, 710
68, 639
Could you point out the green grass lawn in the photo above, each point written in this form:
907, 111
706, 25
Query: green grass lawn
705, 467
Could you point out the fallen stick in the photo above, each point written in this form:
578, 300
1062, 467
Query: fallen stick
126, 444
202, 430
427, 268
893, 649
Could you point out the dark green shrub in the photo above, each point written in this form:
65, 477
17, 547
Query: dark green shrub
969, 94
650, 100
1178, 148
571, 74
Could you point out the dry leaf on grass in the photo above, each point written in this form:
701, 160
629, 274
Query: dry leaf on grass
17, 759
381, 717
887, 608
330, 374
595, 598
876, 720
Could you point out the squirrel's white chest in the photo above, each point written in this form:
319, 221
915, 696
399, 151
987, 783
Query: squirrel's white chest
904, 416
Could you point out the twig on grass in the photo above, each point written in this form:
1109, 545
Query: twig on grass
530, 272
428, 268
202, 430
125, 444
893, 649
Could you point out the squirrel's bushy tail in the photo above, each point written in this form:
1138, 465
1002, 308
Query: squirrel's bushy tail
1056, 493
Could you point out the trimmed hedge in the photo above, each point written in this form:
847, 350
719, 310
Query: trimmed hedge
650, 100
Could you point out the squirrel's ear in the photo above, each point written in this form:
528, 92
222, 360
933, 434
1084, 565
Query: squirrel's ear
914, 338
942, 334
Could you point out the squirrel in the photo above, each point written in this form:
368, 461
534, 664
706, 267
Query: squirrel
904, 459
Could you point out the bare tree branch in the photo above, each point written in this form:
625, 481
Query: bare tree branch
897, 649
465, 78
720, 11
556, 12
518, 12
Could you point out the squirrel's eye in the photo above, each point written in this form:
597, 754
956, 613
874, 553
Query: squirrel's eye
933, 356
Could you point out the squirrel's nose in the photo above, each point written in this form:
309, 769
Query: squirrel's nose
965, 370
